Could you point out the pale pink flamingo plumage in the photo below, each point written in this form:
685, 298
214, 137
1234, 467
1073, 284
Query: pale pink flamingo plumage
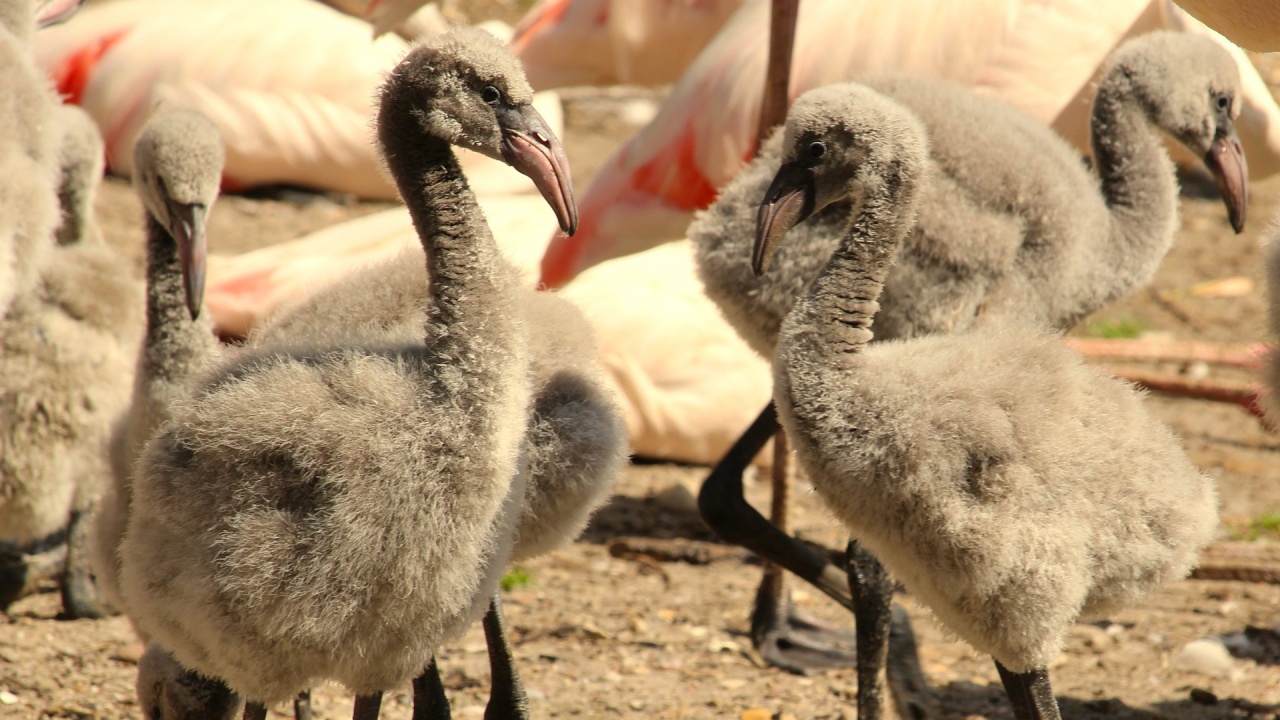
288, 82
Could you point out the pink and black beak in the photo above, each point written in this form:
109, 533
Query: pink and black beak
187, 226
529, 146
52, 12
1227, 163
787, 203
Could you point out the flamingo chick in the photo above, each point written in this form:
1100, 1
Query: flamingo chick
1010, 487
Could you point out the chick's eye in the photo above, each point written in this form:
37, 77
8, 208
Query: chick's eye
817, 149
1223, 101
490, 94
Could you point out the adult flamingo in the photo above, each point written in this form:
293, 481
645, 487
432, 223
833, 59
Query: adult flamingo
1041, 57
302, 121
586, 42
607, 42
1254, 24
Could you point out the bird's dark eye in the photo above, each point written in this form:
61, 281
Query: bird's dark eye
817, 149
490, 94
1223, 101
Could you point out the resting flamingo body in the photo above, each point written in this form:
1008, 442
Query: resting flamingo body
1040, 56
293, 107
1254, 24
611, 42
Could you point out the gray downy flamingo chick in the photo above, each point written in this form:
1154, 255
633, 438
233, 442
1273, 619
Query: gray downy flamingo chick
957, 459
65, 367
1011, 222
28, 169
575, 443
178, 162
69, 323
336, 511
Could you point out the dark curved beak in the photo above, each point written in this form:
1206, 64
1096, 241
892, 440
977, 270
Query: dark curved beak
787, 202
1227, 163
52, 12
529, 146
187, 226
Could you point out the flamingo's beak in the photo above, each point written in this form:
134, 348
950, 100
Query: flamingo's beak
528, 145
1227, 162
787, 202
187, 226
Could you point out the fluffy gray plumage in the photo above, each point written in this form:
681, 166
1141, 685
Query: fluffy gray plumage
575, 443
178, 159
1007, 485
65, 369
28, 147
81, 161
69, 322
336, 511
1010, 220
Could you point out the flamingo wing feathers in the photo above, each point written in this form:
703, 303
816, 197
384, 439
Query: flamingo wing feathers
609, 42
303, 121
293, 107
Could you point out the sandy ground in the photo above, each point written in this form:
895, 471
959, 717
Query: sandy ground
599, 633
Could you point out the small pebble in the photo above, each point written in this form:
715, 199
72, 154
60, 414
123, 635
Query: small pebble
718, 645
678, 498
1204, 697
1198, 370
697, 631
1206, 656
8, 698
